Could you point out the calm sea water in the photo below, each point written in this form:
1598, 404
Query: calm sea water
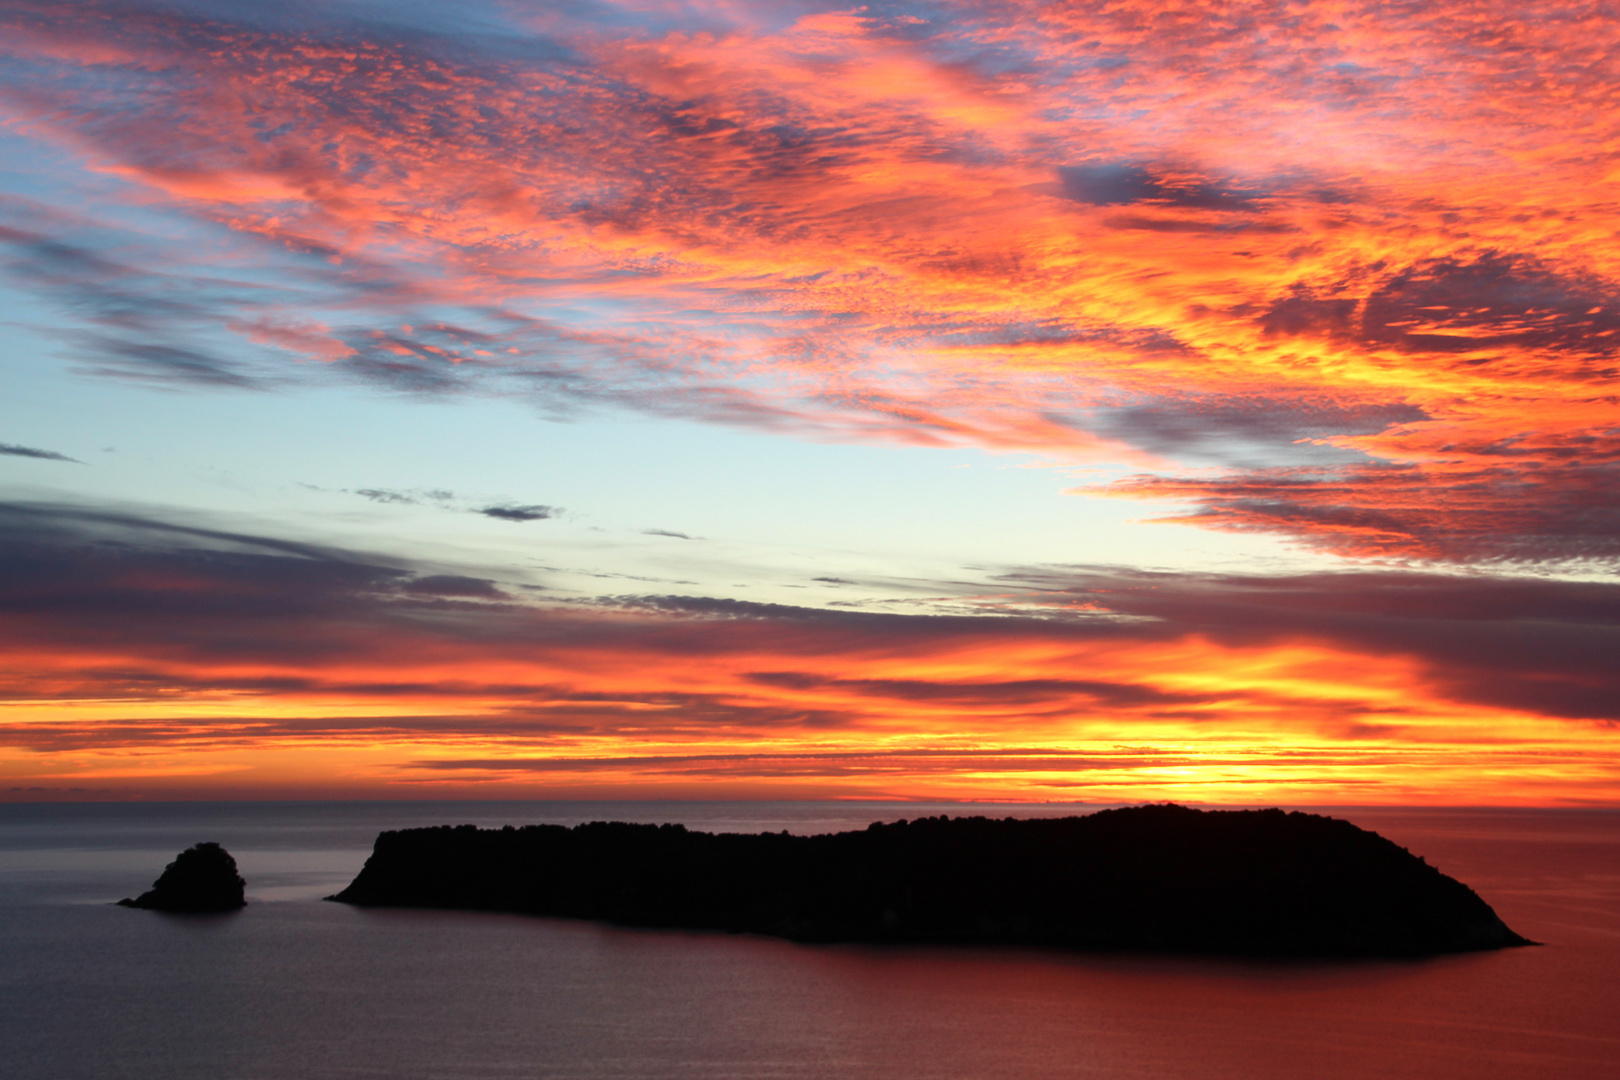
295, 988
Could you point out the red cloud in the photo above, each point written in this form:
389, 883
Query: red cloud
169, 660
1029, 228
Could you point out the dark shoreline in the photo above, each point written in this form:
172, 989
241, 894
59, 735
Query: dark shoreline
1160, 878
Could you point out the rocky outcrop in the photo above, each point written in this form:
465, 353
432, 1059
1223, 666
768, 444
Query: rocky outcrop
1156, 878
201, 878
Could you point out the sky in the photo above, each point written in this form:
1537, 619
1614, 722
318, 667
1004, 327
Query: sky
1093, 402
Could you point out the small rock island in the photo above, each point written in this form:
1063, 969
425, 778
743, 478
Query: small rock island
1160, 878
202, 878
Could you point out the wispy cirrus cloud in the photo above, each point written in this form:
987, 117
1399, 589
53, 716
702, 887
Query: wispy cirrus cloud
1367, 240
445, 499
13, 450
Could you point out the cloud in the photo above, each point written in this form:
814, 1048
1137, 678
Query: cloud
520, 513
1528, 643
119, 319
383, 495
34, 452
456, 585
1104, 233
444, 499
666, 532
179, 642
902, 762
1020, 694
1508, 302
1237, 431
1525, 511
1124, 184
1503, 303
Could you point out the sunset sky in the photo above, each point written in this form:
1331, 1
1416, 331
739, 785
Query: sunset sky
758, 399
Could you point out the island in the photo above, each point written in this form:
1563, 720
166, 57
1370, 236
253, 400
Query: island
202, 878
1161, 878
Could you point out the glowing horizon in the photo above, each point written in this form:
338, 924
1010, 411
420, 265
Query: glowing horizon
1213, 402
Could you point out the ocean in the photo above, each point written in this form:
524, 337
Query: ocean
292, 987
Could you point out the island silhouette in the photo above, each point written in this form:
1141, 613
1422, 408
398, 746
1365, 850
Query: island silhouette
1160, 878
202, 878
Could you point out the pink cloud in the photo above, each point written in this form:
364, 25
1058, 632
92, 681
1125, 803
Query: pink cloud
1018, 227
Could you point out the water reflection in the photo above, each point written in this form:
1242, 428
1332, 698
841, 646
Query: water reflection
292, 987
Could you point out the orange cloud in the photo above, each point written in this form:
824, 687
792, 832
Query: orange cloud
1338, 272
1024, 227
161, 661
